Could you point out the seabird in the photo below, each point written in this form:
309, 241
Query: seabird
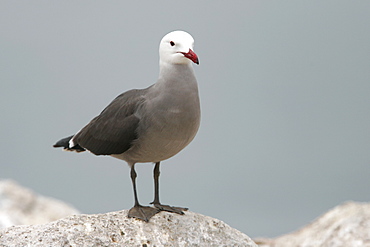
151, 124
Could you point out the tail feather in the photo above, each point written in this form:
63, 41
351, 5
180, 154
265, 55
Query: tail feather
64, 143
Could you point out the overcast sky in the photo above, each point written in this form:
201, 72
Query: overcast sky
284, 87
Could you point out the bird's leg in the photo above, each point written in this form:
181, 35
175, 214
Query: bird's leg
156, 174
138, 211
156, 201
133, 180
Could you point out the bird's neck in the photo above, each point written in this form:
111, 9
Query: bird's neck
176, 78
169, 71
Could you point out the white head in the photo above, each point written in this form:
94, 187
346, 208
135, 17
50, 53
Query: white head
177, 48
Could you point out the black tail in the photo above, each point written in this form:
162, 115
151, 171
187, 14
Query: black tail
64, 143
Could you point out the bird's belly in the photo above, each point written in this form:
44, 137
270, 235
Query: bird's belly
152, 149
161, 140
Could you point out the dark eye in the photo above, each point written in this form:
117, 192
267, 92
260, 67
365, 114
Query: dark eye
172, 43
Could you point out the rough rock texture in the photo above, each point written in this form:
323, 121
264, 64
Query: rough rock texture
20, 206
116, 229
347, 225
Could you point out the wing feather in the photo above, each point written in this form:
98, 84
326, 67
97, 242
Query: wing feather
115, 129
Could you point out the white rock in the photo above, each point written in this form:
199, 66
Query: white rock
347, 225
21, 206
116, 229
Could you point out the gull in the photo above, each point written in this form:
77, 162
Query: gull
151, 124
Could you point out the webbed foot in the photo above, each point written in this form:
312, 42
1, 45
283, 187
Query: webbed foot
167, 208
142, 212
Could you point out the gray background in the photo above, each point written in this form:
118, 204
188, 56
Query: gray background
284, 87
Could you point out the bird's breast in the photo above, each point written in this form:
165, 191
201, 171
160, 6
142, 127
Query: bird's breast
165, 129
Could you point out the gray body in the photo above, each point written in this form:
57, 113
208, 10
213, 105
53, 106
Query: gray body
169, 117
146, 125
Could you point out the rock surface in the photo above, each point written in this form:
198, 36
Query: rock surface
347, 225
21, 206
116, 229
